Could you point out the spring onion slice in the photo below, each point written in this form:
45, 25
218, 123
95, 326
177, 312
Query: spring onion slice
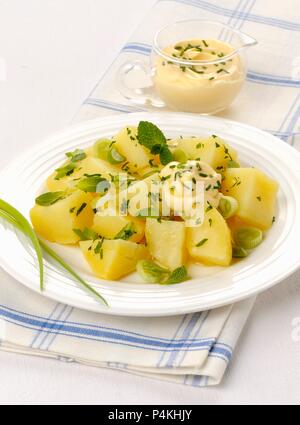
101, 148
114, 156
180, 156
248, 237
239, 252
27, 229
228, 206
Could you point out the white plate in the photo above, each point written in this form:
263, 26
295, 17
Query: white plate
276, 258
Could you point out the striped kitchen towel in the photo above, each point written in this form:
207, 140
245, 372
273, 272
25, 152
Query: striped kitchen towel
192, 349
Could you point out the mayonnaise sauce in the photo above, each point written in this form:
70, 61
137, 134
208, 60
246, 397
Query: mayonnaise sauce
176, 177
205, 87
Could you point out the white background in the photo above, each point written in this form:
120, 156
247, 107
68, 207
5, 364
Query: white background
55, 51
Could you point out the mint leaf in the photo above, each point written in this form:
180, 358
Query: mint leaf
150, 135
76, 155
64, 171
93, 183
165, 155
126, 232
49, 198
156, 149
178, 275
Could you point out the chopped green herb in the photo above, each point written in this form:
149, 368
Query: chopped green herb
222, 70
237, 182
202, 242
49, 198
209, 207
93, 183
177, 276
76, 155
81, 208
64, 171
151, 272
86, 234
204, 42
126, 232
98, 247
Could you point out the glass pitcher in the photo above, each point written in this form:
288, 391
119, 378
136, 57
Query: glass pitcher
195, 66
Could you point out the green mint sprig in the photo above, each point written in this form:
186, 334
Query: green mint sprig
150, 136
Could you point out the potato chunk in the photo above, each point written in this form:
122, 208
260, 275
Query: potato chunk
166, 242
89, 165
138, 156
56, 222
109, 226
112, 259
255, 193
210, 243
212, 150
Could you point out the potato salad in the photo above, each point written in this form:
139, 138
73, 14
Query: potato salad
141, 202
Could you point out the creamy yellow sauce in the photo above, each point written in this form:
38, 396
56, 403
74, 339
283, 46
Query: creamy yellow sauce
204, 87
178, 177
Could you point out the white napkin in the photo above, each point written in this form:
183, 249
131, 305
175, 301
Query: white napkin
193, 349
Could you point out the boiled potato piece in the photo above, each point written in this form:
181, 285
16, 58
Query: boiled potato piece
109, 226
210, 243
137, 156
89, 151
166, 242
89, 165
255, 193
56, 222
212, 150
112, 259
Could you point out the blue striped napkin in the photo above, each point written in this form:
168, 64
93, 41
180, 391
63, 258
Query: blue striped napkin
192, 349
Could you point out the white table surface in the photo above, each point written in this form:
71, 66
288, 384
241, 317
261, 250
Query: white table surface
55, 51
